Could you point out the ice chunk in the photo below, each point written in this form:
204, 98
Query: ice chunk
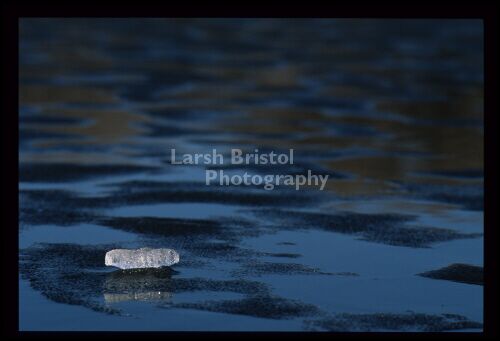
141, 258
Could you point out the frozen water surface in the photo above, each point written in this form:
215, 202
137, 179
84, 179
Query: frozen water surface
391, 109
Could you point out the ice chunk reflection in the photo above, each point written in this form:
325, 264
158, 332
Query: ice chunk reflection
139, 285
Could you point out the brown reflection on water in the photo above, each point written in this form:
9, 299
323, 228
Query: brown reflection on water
360, 187
46, 94
380, 168
104, 126
380, 101
88, 158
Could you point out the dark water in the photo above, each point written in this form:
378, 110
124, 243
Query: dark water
391, 110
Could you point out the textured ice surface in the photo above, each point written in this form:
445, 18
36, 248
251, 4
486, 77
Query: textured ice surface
141, 258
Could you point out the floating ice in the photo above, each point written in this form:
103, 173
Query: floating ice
141, 258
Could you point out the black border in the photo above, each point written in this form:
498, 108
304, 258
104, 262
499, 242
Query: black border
9, 135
